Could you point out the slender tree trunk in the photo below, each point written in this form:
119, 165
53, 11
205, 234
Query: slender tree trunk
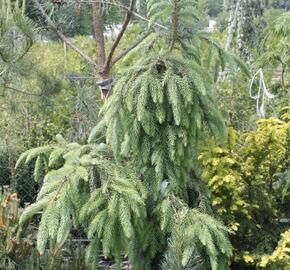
98, 26
174, 24
232, 25
99, 35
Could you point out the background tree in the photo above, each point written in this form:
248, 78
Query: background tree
245, 24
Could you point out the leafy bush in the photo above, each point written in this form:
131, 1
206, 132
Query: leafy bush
21, 181
280, 258
13, 253
249, 182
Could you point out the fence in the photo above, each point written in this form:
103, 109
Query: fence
20, 180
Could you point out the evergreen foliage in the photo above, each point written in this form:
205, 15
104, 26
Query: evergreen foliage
246, 23
117, 198
184, 13
134, 188
280, 256
159, 111
13, 23
153, 123
196, 240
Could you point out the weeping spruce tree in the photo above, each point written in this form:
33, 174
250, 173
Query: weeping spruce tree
132, 188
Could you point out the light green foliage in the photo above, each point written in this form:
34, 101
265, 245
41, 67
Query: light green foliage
113, 211
59, 194
162, 11
157, 114
281, 25
160, 110
249, 183
196, 240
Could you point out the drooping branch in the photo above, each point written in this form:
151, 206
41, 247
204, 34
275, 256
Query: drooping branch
120, 35
65, 39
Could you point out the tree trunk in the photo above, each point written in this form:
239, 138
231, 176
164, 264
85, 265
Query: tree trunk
232, 24
98, 26
99, 34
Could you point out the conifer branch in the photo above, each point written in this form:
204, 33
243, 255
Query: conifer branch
20, 91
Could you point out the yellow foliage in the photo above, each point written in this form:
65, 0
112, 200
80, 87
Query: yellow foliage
234, 226
280, 254
248, 259
242, 178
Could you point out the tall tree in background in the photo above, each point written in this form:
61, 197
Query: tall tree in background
245, 26
17, 36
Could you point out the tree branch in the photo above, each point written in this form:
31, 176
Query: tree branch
126, 51
136, 14
20, 91
120, 35
65, 39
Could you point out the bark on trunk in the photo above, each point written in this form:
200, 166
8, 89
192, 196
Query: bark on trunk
232, 24
99, 33
98, 26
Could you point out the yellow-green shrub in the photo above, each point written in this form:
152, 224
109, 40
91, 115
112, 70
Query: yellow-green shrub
247, 179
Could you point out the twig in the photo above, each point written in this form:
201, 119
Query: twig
133, 46
20, 91
120, 35
136, 14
